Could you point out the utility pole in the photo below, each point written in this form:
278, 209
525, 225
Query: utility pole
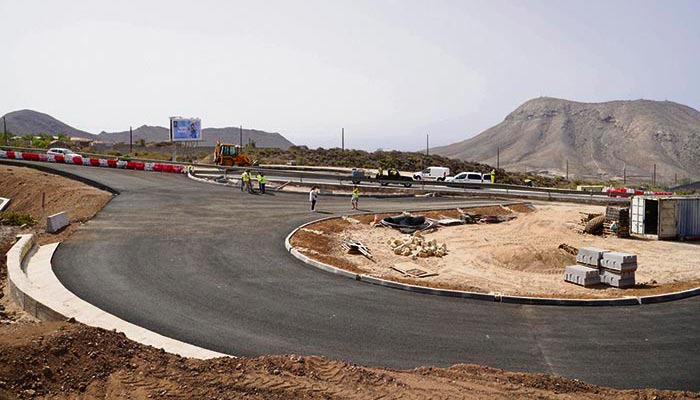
624, 175
654, 177
131, 137
427, 144
241, 138
675, 179
498, 157
567, 169
342, 139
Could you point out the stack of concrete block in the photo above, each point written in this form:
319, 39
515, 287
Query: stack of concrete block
602, 266
617, 269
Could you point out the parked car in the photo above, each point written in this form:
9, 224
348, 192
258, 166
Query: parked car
432, 174
60, 151
394, 175
469, 177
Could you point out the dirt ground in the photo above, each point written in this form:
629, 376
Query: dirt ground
24, 186
517, 257
72, 361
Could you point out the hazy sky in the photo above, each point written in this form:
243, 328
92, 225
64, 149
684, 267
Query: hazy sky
387, 71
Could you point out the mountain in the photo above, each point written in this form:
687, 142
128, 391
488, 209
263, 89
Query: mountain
262, 139
600, 140
30, 122
25, 122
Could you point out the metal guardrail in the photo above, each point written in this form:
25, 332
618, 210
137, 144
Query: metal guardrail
348, 178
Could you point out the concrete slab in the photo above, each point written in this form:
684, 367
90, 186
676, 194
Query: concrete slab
619, 261
616, 266
56, 222
590, 255
581, 275
620, 280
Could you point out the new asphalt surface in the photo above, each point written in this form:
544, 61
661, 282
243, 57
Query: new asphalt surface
207, 265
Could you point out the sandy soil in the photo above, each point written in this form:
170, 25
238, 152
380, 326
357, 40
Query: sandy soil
518, 257
72, 361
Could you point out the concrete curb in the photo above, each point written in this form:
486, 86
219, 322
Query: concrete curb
37, 290
494, 297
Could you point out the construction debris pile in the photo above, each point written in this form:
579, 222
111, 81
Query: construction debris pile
617, 221
590, 223
470, 218
408, 223
354, 247
598, 266
415, 246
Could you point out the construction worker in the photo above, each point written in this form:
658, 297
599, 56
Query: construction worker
493, 176
248, 184
355, 197
313, 198
244, 178
262, 180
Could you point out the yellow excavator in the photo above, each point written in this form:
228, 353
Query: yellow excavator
230, 155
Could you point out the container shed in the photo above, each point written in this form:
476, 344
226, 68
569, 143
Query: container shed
666, 217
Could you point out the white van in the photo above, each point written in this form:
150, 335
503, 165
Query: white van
432, 174
470, 177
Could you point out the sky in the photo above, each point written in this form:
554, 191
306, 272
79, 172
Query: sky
388, 71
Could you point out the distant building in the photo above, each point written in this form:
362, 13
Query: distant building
81, 142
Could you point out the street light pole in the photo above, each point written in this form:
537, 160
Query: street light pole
427, 144
131, 137
342, 139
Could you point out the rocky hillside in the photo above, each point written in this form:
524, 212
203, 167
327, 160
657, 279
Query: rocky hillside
25, 122
599, 140
227, 135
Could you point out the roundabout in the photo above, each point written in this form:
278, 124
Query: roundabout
207, 265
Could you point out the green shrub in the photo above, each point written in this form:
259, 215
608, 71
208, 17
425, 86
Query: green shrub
16, 218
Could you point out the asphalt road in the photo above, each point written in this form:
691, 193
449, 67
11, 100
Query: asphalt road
207, 265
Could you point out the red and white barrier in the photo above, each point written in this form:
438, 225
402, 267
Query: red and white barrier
93, 162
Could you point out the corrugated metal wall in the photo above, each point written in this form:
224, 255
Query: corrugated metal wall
688, 217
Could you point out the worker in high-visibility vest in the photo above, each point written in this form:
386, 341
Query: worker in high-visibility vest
248, 184
355, 200
493, 176
262, 180
244, 177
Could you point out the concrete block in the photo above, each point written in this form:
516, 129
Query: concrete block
56, 222
590, 256
581, 275
616, 266
620, 258
616, 279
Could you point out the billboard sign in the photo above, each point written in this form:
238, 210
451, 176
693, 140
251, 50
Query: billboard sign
185, 129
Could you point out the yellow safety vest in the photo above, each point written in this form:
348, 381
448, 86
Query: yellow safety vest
262, 179
245, 177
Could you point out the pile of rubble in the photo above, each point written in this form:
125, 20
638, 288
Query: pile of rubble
415, 246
